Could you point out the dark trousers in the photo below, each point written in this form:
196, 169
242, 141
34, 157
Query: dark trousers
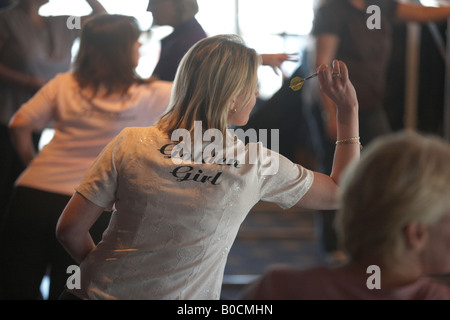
10, 168
29, 247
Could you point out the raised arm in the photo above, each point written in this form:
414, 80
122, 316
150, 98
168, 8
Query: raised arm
335, 83
74, 224
326, 47
97, 9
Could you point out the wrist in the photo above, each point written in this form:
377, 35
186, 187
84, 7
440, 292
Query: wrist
349, 112
355, 141
350, 106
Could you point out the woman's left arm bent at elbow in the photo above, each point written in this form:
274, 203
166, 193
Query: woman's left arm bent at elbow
322, 195
73, 226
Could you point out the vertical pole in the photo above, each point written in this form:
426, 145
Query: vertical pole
447, 87
412, 75
236, 18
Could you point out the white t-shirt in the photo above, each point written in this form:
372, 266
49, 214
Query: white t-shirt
174, 224
83, 127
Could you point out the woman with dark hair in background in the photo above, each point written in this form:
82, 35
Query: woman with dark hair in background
89, 107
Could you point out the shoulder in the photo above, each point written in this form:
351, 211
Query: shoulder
138, 136
65, 77
193, 28
132, 132
187, 34
430, 289
154, 85
156, 91
64, 81
196, 26
160, 85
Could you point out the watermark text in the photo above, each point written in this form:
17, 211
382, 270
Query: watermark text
73, 22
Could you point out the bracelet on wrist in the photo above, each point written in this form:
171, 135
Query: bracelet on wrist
354, 140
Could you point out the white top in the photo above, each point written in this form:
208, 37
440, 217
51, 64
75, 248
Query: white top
174, 224
83, 128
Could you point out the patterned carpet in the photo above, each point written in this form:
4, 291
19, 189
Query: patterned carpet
270, 236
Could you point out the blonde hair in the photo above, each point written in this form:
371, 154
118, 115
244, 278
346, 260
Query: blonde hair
212, 73
401, 178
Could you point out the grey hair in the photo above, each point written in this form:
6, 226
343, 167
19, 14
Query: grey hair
400, 178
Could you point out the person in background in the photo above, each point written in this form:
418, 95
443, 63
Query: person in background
341, 31
89, 107
393, 225
178, 209
180, 14
33, 49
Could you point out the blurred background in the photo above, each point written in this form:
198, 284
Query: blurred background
268, 26
418, 97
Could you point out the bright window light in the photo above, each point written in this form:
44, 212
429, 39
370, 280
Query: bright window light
266, 25
432, 3
136, 8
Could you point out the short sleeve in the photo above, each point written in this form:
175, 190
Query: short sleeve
282, 181
41, 108
99, 184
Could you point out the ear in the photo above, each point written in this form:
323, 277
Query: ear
416, 236
233, 106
